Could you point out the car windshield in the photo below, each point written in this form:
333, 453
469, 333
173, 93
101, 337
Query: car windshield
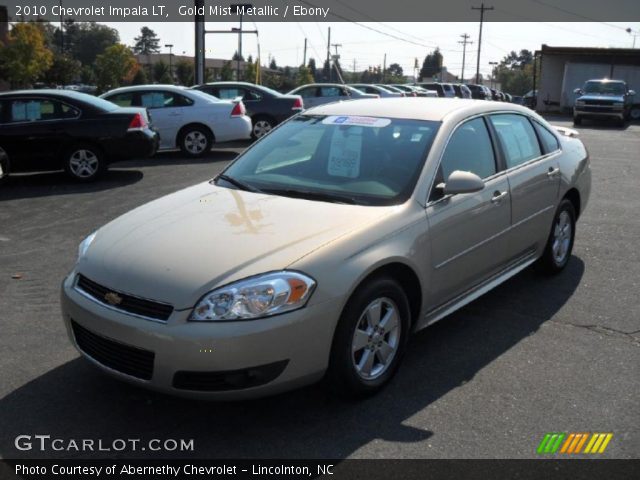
604, 88
343, 159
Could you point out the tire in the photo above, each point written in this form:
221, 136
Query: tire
349, 373
261, 125
634, 113
621, 122
84, 162
577, 120
195, 141
560, 242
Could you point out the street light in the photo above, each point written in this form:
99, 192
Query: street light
634, 34
170, 47
492, 72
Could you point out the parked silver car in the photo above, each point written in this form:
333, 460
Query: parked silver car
315, 94
323, 246
382, 92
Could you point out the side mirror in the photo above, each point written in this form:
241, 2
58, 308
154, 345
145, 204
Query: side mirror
578, 91
631, 93
461, 182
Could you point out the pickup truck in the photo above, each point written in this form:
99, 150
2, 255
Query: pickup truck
603, 98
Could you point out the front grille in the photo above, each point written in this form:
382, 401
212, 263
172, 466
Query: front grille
598, 102
596, 109
133, 361
229, 380
128, 303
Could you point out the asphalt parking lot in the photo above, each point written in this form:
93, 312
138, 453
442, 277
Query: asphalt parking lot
536, 355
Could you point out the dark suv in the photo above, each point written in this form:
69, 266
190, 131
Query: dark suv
266, 107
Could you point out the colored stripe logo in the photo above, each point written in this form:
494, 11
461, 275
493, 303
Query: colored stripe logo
574, 443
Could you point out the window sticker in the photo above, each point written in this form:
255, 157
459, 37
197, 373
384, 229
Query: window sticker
354, 120
344, 154
153, 100
18, 111
33, 111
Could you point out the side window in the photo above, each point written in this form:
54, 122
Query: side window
517, 137
308, 92
330, 91
548, 139
26, 110
122, 99
181, 101
229, 93
469, 150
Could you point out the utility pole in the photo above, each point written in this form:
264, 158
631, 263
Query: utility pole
465, 41
482, 9
329, 52
170, 47
199, 42
304, 55
384, 67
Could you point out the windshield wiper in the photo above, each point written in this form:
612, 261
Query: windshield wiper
237, 183
311, 195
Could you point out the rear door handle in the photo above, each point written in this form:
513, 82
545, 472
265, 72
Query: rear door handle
498, 196
553, 172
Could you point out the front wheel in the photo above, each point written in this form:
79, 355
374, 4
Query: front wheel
261, 126
634, 113
560, 243
370, 339
195, 141
84, 163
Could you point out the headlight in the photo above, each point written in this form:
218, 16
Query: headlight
256, 297
84, 245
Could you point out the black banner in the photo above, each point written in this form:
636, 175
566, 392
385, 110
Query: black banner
325, 10
333, 469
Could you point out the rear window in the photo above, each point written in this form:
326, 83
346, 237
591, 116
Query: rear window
372, 161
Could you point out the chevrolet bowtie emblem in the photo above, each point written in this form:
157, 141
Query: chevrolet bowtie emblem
113, 298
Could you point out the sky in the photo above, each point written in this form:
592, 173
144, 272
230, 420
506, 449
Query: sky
284, 41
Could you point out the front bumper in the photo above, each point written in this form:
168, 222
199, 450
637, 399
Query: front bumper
595, 111
253, 358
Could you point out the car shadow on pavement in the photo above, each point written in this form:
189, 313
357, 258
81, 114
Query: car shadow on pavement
75, 401
43, 184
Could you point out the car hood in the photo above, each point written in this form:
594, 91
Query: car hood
618, 98
177, 248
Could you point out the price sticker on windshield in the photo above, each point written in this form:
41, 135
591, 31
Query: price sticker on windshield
350, 120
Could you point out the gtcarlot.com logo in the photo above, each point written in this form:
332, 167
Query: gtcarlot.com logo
574, 443
45, 443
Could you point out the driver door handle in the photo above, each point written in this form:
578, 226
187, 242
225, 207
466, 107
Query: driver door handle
553, 172
498, 196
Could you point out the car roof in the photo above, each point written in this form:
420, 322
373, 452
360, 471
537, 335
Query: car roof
420, 108
47, 91
133, 88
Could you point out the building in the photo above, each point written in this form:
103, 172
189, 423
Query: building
563, 69
213, 66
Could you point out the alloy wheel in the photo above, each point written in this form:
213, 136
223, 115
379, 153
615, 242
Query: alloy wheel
195, 142
261, 128
562, 232
84, 163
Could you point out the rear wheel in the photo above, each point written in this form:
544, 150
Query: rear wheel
560, 242
84, 162
370, 338
261, 126
195, 141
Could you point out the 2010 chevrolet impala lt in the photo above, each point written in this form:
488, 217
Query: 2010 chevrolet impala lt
322, 247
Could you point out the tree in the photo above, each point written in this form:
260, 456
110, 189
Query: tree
237, 56
273, 65
312, 68
63, 71
184, 72
326, 71
115, 66
140, 78
517, 60
88, 75
304, 76
85, 41
432, 65
147, 43
25, 57
250, 70
226, 73
394, 73
160, 70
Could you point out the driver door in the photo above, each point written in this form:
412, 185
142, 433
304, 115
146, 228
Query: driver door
468, 231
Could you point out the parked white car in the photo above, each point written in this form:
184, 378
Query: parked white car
187, 119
